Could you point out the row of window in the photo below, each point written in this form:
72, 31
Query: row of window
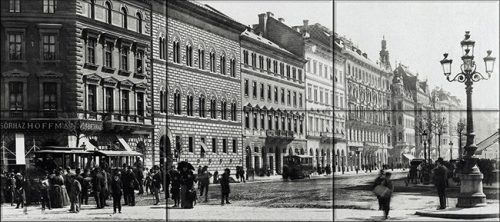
271, 66
191, 145
368, 78
290, 99
286, 122
48, 6
18, 92
200, 58
319, 99
361, 113
108, 12
108, 49
369, 136
316, 124
366, 95
318, 68
202, 104
110, 95
17, 43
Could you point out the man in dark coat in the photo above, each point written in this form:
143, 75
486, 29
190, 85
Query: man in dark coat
440, 181
224, 185
86, 185
116, 189
74, 195
98, 185
176, 186
20, 182
128, 186
156, 184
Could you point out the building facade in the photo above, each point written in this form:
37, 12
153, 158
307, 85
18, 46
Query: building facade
339, 106
369, 103
76, 74
319, 92
272, 84
203, 90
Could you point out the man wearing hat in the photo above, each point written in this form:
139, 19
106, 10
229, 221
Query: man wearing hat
440, 180
19, 190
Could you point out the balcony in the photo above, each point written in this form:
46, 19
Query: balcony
327, 137
280, 134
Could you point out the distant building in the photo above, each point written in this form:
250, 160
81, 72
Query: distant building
272, 92
319, 93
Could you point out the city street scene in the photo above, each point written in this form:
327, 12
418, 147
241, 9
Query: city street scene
126, 110
416, 104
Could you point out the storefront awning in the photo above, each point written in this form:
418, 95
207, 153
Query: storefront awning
20, 149
123, 143
408, 156
118, 153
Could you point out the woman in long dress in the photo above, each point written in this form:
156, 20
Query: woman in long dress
187, 184
57, 194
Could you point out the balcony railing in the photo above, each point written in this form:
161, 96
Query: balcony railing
282, 134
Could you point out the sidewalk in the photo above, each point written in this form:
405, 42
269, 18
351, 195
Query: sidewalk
274, 178
374, 172
237, 213
88, 212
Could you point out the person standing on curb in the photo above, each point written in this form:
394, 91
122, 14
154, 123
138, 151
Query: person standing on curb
224, 185
440, 178
377, 182
116, 189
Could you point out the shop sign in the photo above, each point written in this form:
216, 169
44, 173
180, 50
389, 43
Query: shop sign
51, 125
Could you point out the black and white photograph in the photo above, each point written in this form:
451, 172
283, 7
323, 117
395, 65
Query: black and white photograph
242, 110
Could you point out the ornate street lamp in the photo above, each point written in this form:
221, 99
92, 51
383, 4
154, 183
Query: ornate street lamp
426, 173
451, 150
471, 187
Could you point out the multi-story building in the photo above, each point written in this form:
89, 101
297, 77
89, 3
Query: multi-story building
339, 106
369, 108
203, 122
319, 92
76, 74
272, 89
403, 115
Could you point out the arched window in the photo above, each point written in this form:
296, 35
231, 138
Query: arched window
201, 106
213, 108
189, 105
92, 9
177, 102
162, 47
176, 51
108, 12
222, 64
189, 54
232, 67
223, 110
233, 111
201, 58
212, 61
124, 17
162, 102
139, 22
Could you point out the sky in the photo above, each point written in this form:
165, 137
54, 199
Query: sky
294, 12
419, 32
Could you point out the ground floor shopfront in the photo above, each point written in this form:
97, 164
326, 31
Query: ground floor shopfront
24, 142
266, 152
360, 155
321, 148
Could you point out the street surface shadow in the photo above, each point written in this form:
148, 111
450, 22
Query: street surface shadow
375, 218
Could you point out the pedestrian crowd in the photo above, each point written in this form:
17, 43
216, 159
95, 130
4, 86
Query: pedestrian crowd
60, 188
183, 179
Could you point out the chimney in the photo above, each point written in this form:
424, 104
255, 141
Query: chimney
263, 23
270, 15
282, 20
306, 24
365, 55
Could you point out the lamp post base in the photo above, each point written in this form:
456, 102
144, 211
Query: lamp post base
471, 190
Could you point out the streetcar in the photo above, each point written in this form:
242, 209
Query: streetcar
297, 166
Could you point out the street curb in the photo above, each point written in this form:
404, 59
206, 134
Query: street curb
457, 215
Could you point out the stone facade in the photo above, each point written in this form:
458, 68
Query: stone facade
203, 90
